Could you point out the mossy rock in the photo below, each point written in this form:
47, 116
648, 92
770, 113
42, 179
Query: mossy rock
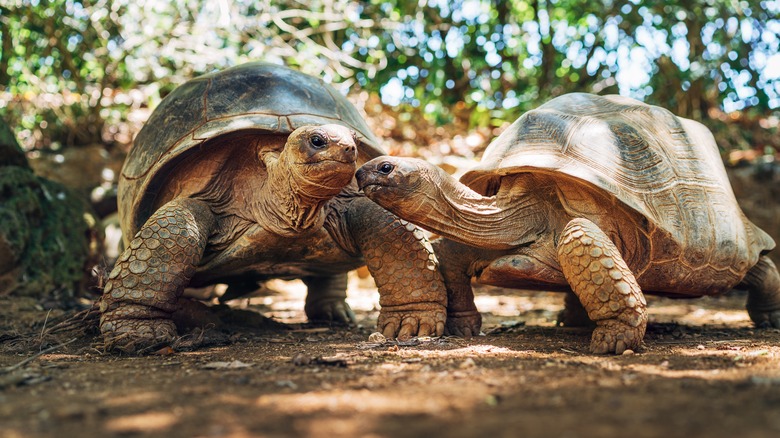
47, 234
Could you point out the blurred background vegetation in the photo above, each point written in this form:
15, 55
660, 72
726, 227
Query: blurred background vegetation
441, 74
438, 79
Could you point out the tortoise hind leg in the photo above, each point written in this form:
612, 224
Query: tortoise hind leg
463, 318
573, 313
763, 285
143, 288
605, 286
325, 300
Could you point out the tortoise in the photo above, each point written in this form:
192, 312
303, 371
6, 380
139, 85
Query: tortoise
245, 175
602, 196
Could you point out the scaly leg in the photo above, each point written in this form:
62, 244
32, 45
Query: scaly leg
150, 275
605, 286
763, 285
325, 300
411, 291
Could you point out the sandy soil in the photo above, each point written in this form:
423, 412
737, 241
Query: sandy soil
704, 372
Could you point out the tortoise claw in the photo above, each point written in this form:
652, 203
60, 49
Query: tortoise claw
137, 336
330, 310
389, 329
615, 337
406, 323
409, 328
765, 320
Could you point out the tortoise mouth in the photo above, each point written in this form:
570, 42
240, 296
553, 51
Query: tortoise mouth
328, 160
387, 193
371, 188
329, 165
350, 162
328, 171
370, 185
366, 182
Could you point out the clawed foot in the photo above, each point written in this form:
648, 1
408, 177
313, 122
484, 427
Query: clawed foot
465, 324
137, 336
330, 310
614, 337
768, 319
405, 323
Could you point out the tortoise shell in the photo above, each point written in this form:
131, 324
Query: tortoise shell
664, 167
256, 96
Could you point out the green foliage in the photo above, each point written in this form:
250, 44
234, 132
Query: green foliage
54, 61
503, 58
73, 70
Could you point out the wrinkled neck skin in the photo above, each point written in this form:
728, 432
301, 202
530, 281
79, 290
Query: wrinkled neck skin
289, 204
511, 218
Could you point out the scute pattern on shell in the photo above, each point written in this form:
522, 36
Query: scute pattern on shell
665, 167
255, 95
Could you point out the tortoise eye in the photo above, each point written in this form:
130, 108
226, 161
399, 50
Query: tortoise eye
385, 168
317, 141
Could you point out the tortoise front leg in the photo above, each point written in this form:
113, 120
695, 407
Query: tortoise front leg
763, 285
412, 295
605, 286
150, 275
326, 299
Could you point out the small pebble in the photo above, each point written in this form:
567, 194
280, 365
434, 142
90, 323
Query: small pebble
392, 348
492, 400
377, 338
286, 384
468, 363
301, 359
628, 352
165, 351
700, 347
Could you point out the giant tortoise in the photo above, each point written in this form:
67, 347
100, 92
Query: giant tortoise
245, 175
604, 196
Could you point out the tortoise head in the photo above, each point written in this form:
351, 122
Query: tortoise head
426, 195
395, 182
320, 160
321, 144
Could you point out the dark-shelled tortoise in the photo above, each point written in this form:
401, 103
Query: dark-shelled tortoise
245, 175
604, 196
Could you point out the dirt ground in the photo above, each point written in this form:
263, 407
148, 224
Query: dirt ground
704, 372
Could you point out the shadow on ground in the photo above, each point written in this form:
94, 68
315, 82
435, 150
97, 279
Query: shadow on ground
704, 371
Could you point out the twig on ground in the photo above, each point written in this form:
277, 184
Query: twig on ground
43, 329
8, 369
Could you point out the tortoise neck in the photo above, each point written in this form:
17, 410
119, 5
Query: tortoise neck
287, 205
507, 220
